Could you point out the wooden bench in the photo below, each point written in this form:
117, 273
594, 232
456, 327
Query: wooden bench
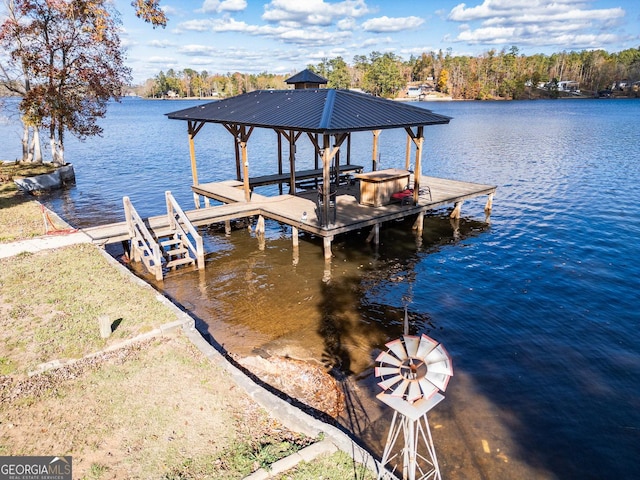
301, 175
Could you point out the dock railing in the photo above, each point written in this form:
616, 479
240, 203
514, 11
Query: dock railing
178, 221
143, 244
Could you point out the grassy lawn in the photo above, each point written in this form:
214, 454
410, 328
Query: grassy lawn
75, 287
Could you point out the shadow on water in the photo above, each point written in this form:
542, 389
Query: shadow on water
357, 318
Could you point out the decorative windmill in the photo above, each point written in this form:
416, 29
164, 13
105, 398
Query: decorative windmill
413, 371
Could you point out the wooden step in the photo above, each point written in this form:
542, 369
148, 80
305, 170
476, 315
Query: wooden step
180, 261
176, 251
171, 241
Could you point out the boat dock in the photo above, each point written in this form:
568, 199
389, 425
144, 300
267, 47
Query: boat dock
302, 211
334, 198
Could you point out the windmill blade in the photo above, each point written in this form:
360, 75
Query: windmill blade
386, 371
438, 354
443, 367
385, 357
397, 348
414, 393
411, 343
428, 388
400, 390
390, 382
438, 379
426, 345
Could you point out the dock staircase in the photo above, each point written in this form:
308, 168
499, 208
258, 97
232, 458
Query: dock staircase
175, 243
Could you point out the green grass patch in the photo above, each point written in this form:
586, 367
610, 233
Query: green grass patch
50, 303
241, 459
337, 466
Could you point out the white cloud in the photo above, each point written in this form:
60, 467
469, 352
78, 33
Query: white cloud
564, 23
217, 6
312, 12
161, 44
396, 24
203, 25
346, 24
170, 11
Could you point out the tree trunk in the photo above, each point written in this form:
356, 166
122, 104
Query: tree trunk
57, 149
36, 149
25, 143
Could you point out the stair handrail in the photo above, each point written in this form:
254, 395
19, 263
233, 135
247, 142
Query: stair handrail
182, 222
138, 229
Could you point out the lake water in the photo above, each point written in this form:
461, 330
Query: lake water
539, 309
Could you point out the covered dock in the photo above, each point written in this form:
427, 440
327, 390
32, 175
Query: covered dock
336, 196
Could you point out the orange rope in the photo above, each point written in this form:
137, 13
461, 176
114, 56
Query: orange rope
50, 227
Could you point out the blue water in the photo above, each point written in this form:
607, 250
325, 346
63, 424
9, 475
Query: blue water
540, 307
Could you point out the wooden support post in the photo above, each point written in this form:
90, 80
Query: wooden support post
292, 162
279, 158
374, 234
456, 209
227, 227
260, 225
407, 156
418, 170
193, 131
374, 155
326, 182
245, 172
419, 223
327, 247
296, 241
489, 205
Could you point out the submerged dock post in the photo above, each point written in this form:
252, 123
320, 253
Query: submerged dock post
456, 209
419, 223
489, 205
260, 224
374, 234
327, 247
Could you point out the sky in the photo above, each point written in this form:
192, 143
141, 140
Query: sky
285, 36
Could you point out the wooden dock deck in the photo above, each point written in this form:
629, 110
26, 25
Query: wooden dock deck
301, 211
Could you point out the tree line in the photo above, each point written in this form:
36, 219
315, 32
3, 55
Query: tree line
503, 74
